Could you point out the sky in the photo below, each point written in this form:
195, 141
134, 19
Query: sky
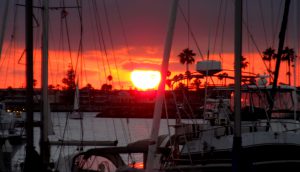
119, 36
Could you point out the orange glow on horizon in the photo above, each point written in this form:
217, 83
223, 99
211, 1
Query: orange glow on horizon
93, 70
145, 79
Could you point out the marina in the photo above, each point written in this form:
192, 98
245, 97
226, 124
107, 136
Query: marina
119, 86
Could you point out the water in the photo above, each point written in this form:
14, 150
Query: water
91, 128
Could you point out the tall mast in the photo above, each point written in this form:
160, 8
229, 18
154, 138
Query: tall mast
161, 89
44, 147
279, 54
237, 139
296, 30
30, 151
31, 155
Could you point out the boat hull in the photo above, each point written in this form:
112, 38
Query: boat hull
267, 157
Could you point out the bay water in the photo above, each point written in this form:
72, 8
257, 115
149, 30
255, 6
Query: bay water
90, 128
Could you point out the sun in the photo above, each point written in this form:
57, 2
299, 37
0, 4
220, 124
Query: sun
145, 79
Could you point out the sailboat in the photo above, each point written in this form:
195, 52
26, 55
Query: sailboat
76, 113
240, 141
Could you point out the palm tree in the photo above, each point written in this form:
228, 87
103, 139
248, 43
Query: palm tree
187, 57
244, 64
196, 83
223, 75
288, 55
269, 55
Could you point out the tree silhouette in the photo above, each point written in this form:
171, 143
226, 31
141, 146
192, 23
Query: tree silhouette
69, 88
187, 57
181, 86
51, 87
289, 56
106, 87
196, 83
223, 75
244, 64
88, 87
269, 55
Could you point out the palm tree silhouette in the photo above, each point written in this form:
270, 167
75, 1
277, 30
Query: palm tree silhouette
244, 64
187, 57
288, 55
269, 55
223, 75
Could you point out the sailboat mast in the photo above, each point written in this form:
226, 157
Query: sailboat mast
31, 155
279, 54
237, 139
296, 29
161, 89
29, 76
44, 147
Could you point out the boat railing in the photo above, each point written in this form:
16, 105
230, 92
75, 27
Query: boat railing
193, 131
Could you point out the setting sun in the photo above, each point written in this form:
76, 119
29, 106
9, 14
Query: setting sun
145, 79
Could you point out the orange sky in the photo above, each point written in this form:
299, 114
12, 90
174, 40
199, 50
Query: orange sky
93, 72
141, 47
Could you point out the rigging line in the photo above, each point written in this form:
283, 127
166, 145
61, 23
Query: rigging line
248, 40
111, 41
80, 47
192, 33
280, 8
3, 25
209, 39
223, 31
13, 36
7, 52
98, 27
103, 42
64, 17
124, 130
181, 125
189, 108
54, 75
115, 130
188, 17
94, 25
63, 138
263, 22
37, 43
272, 20
168, 122
123, 32
217, 27
255, 45
128, 129
102, 39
